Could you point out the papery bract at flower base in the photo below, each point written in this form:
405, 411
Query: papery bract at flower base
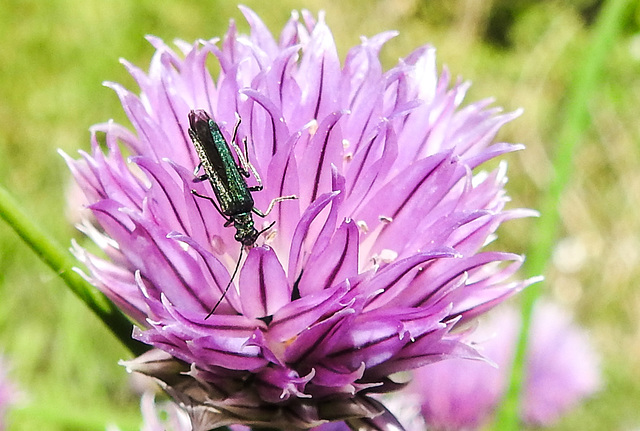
362, 276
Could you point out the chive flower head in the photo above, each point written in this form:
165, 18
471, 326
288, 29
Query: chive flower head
362, 276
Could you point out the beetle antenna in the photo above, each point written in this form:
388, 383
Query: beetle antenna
226, 289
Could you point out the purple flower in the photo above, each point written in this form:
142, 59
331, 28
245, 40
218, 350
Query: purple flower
9, 393
562, 366
562, 369
362, 276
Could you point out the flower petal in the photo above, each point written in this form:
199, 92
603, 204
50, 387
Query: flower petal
263, 283
337, 262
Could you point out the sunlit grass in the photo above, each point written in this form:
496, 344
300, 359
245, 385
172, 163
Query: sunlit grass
55, 55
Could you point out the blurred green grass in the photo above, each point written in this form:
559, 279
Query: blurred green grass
54, 56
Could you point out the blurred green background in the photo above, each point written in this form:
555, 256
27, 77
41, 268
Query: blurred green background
54, 56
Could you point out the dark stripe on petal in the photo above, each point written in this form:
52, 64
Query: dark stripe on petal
216, 270
320, 84
263, 284
332, 121
311, 344
299, 315
296, 254
349, 257
178, 274
168, 194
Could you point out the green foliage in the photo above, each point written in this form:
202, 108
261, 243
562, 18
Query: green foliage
54, 56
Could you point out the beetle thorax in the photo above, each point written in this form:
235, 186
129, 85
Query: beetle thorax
246, 232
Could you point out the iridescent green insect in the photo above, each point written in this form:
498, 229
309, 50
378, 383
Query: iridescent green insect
227, 178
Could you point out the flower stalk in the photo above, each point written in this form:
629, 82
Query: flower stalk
607, 27
63, 264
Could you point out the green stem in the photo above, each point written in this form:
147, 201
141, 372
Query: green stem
61, 261
584, 86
